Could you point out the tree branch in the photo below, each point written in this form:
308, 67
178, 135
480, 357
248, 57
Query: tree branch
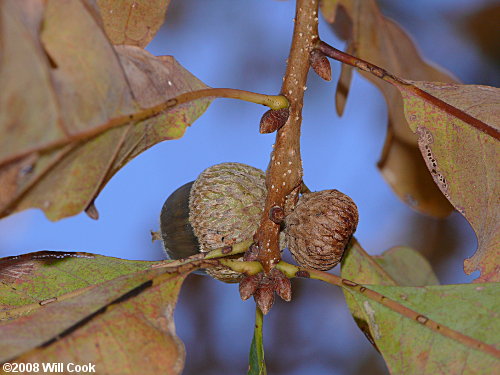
407, 86
284, 173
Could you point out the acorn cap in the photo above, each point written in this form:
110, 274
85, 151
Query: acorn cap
320, 227
225, 207
226, 204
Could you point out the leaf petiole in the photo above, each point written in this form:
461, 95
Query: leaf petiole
272, 101
222, 252
257, 364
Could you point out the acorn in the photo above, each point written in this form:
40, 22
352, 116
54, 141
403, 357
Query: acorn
318, 230
222, 207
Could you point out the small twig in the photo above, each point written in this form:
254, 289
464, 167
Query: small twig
293, 271
406, 86
272, 101
248, 268
222, 252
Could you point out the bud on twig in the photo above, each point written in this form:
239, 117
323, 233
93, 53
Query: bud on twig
264, 295
262, 287
276, 214
273, 120
252, 254
321, 64
248, 286
283, 285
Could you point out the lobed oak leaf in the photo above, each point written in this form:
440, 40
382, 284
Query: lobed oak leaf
85, 308
433, 329
419, 327
458, 129
74, 108
132, 22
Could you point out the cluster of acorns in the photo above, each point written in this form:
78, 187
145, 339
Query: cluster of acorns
224, 206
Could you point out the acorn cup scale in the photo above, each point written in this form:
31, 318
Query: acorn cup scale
319, 228
222, 207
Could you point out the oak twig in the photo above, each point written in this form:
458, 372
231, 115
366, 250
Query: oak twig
237, 248
405, 86
284, 173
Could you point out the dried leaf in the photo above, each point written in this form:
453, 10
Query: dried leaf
343, 86
85, 308
458, 129
132, 22
458, 135
65, 98
377, 39
91, 211
481, 26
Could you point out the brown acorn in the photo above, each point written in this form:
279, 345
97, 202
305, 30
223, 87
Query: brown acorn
222, 207
320, 227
